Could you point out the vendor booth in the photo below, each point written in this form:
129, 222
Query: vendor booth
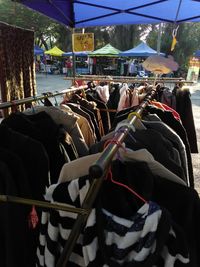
81, 61
135, 56
104, 60
52, 65
141, 50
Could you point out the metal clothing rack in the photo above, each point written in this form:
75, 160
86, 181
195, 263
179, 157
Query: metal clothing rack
43, 96
42, 204
104, 78
98, 171
25, 201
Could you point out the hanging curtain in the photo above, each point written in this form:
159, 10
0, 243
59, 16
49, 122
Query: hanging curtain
17, 74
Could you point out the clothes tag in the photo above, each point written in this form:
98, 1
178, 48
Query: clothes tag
33, 218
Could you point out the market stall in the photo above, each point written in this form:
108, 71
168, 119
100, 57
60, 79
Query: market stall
104, 60
81, 61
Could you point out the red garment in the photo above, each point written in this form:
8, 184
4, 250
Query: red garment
79, 82
166, 107
69, 64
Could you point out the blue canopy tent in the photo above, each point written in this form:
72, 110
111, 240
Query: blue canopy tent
142, 50
87, 13
38, 51
78, 54
197, 53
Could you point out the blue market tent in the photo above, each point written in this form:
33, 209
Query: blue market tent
197, 53
142, 50
38, 51
79, 54
87, 13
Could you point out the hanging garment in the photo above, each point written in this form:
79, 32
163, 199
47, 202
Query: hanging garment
88, 115
168, 133
28, 165
84, 125
161, 148
167, 97
34, 158
165, 107
42, 128
18, 240
88, 250
77, 168
184, 108
103, 92
104, 114
68, 121
168, 118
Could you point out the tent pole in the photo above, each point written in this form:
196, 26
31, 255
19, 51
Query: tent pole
73, 60
159, 38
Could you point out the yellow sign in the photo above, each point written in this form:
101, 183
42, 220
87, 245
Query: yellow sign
83, 42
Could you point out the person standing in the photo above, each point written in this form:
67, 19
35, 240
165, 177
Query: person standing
69, 67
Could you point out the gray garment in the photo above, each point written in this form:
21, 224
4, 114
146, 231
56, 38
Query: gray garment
172, 136
177, 157
69, 122
156, 167
80, 167
152, 117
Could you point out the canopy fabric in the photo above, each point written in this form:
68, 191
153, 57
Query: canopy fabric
197, 53
142, 50
87, 13
108, 51
38, 51
80, 54
55, 51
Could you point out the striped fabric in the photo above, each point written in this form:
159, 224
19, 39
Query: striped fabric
148, 238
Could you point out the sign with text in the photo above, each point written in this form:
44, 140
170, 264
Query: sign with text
83, 42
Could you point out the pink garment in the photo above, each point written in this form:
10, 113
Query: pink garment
123, 97
103, 92
127, 98
134, 98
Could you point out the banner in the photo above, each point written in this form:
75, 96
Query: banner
193, 71
82, 42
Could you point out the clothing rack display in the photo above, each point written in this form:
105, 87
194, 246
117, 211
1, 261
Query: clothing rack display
98, 171
42, 204
128, 79
41, 97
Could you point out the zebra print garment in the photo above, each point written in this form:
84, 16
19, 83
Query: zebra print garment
148, 238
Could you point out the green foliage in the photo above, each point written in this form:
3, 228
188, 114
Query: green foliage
188, 37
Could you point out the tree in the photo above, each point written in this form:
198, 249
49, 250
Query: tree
125, 37
188, 37
18, 15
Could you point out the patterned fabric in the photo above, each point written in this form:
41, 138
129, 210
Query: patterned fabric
148, 238
17, 76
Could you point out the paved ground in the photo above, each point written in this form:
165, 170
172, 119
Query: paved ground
53, 83
195, 97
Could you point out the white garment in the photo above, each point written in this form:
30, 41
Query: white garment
77, 168
103, 92
80, 167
